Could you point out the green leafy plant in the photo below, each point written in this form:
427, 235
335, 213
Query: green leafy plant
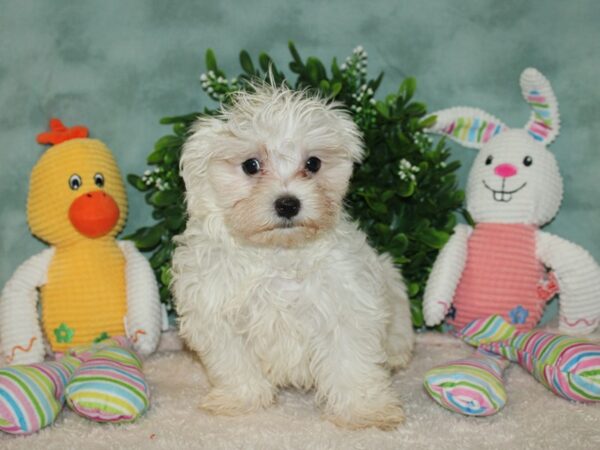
404, 194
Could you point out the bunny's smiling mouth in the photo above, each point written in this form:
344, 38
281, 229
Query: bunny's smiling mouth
502, 195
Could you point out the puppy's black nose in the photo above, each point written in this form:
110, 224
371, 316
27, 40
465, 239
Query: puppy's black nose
287, 206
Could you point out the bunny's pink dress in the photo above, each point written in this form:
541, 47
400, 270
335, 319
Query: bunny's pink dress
503, 276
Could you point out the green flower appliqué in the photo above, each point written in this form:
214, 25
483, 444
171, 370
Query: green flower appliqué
102, 337
64, 334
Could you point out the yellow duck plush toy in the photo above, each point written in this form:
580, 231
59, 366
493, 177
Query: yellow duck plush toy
91, 287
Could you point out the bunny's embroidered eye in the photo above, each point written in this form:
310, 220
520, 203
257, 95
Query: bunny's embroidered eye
527, 161
74, 182
489, 160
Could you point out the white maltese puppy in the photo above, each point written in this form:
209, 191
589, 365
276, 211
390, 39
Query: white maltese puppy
274, 285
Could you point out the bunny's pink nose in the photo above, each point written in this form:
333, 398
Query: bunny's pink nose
505, 170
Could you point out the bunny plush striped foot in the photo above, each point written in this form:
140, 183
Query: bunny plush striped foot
472, 386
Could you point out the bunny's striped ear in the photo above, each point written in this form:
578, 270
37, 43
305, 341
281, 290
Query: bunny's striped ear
544, 122
470, 127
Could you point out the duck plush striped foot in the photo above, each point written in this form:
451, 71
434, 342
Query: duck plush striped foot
102, 382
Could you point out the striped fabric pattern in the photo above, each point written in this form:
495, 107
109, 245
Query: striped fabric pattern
109, 386
541, 125
31, 396
472, 129
568, 366
471, 386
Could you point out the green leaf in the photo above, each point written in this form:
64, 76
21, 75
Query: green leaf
175, 223
407, 88
383, 109
336, 89
434, 238
246, 63
294, 53
428, 122
336, 73
406, 189
187, 118
413, 289
316, 71
211, 61
137, 182
324, 86
156, 156
164, 198
148, 237
166, 276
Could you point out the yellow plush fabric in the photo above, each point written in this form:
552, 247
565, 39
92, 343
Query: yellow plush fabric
85, 296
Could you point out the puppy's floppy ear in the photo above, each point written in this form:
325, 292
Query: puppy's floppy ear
351, 135
197, 151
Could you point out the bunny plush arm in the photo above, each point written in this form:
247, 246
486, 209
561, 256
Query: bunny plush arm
20, 332
579, 280
445, 276
144, 314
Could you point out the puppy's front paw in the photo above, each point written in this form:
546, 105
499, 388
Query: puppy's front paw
228, 401
387, 418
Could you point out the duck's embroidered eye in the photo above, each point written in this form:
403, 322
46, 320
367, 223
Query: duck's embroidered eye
251, 166
489, 160
313, 164
75, 182
99, 180
527, 161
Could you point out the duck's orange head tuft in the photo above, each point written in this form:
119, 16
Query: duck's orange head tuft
60, 133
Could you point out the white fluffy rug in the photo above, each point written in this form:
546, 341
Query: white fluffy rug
533, 418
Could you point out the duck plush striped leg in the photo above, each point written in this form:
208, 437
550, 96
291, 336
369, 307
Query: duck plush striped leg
568, 366
109, 386
472, 386
31, 396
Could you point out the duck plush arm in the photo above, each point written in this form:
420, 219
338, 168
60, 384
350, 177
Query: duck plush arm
21, 339
144, 311
578, 277
445, 275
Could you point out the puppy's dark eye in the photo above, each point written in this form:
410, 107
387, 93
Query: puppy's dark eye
527, 161
489, 160
313, 164
74, 181
251, 166
99, 180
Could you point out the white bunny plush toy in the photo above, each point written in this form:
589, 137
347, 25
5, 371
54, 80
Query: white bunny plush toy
505, 264
514, 187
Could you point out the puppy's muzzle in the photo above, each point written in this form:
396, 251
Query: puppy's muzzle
287, 207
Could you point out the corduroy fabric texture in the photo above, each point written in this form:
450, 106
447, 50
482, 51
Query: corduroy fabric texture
501, 276
84, 273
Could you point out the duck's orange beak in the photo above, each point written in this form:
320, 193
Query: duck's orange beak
94, 214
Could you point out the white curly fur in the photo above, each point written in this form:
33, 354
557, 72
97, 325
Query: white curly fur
269, 302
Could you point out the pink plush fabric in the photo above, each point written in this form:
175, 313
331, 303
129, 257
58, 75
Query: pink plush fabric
502, 276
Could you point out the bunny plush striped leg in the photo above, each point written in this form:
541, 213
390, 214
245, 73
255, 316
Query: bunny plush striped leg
31, 396
568, 366
109, 386
472, 386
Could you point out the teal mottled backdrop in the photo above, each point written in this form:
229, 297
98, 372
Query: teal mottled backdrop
119, 66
